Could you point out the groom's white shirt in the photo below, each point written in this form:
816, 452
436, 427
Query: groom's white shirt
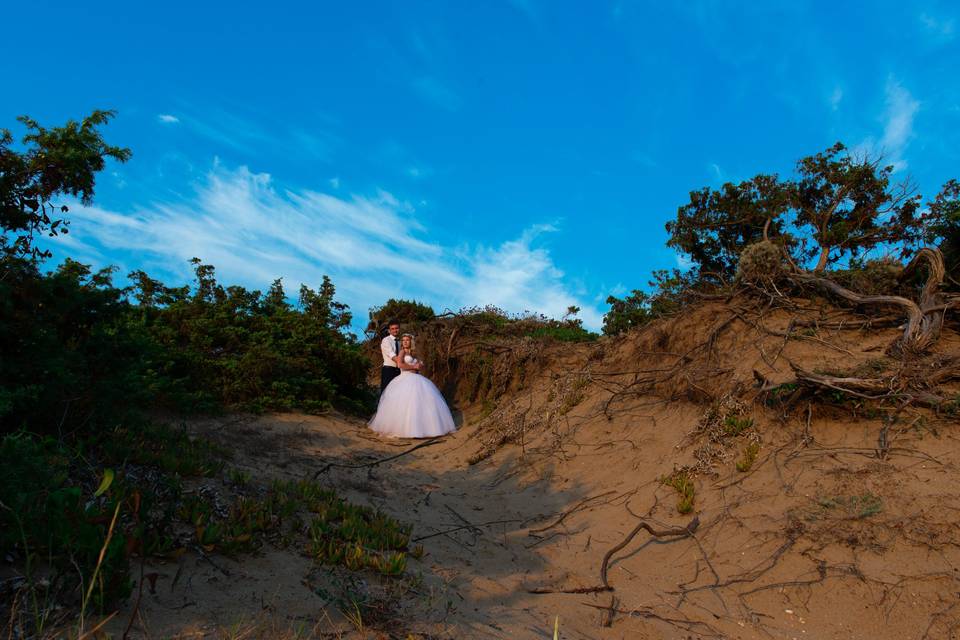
387, 349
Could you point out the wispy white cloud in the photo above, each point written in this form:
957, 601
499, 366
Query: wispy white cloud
236, 129
900, 110
717, 172
334, 182
836, 97
436, 93
941, 28
373, 247
419, 171
319, 144
228, 130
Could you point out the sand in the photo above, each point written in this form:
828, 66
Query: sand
833, 532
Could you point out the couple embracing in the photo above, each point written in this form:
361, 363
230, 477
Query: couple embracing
410, 405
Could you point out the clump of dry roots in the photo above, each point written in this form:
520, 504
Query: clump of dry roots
700, 351
722, 431
913, 372
513, 421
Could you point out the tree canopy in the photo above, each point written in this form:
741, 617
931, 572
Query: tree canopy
838, 205
943, 228
57, 162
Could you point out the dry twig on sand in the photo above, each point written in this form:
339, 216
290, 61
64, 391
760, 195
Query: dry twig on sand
682, 532
370, 465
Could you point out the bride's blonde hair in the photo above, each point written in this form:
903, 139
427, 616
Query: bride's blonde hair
412, 342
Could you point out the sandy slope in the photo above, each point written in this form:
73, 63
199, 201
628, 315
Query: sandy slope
825, 536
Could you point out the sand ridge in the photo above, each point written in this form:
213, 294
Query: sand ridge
826, 535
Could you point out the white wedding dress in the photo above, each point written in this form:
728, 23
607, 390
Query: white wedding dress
412, 407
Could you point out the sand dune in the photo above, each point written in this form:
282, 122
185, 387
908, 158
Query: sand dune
844, 525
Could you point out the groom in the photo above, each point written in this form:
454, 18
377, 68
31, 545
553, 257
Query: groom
390, 348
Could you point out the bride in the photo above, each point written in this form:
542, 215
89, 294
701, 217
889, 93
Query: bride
411, 406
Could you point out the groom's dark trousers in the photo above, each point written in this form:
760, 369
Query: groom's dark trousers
386, 375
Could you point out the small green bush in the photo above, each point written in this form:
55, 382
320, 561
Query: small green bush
872, 277
749, 457
48, 516
733, 426
682, 481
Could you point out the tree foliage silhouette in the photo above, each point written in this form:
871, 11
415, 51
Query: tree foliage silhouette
837, 206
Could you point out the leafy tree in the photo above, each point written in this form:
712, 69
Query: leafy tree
57, 162
70, 357
150, 293
943, 228
403, 311
671, 289
847, 206
627, 313
715, 226
837, 206
320, 306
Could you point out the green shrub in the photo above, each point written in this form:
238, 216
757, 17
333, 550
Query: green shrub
872, 277
563, 332
47, 515
671, 291
79, 351
749, 457
232, 347
406, 312
733, 426
70, 357
627, 313
682, 481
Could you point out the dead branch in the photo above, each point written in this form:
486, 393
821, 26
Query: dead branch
545, 590
868, 388
924, 320
466, 526
747, 576
568, 512
906, 388
375, 463
821, 576
682, 532
644, 612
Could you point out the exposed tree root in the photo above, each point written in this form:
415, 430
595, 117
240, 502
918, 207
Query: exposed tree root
681, 532
370, 465
688, 625
924, 319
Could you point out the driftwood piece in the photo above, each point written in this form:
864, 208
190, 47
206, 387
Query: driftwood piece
924, 319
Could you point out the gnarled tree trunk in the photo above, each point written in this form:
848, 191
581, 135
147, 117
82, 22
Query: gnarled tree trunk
924, 319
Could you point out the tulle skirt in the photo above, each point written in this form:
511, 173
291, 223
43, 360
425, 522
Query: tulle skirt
412, 407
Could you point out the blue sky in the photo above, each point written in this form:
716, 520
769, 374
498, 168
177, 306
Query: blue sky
522, 153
